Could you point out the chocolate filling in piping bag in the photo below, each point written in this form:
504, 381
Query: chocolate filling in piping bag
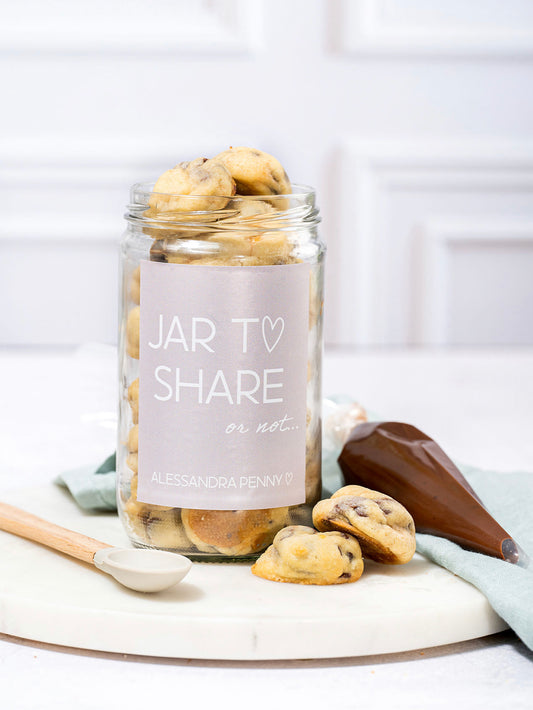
403, 462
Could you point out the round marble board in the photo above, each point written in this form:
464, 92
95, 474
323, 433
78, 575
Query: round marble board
222, 611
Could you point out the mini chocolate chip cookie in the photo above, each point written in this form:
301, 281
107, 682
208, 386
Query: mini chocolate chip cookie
384, 528
302, 555
233, 532
255, 172
155, 525
202, 179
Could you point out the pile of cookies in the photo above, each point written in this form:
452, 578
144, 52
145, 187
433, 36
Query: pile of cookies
355, 522
230, 229
226, 211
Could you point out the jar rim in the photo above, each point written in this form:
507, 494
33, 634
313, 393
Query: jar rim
218, 212
145, 190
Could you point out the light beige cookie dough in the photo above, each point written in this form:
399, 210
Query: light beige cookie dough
316, 307
135, 286
155, 526
233, 532
272, 248
170, 250
255, 172
132, 332
250, 210
302, 555
313, 480
133, 438
132, 461
144, 506
207, 181
227, 248
266, 247
384, 528
180, 225
229, 261
133, 399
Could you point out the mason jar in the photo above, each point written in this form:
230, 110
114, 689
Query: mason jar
219, 437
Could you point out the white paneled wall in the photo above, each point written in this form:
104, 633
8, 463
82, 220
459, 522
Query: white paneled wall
413, 118
134, 27
396, 197
431, 28
500, 255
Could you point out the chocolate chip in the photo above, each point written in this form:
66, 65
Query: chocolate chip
345, 507
345, 575
157, 251
383, 505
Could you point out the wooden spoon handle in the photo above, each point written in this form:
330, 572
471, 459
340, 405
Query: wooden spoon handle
19, 522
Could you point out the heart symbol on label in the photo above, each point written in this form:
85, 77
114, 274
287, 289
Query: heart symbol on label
288, 478
272, 332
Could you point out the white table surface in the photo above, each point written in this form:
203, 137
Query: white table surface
58, 411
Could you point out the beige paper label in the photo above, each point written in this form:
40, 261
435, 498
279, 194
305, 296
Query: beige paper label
223, 376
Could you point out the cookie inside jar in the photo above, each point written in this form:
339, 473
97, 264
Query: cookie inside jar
220, 357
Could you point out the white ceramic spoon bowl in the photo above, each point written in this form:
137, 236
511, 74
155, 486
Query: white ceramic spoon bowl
143, 570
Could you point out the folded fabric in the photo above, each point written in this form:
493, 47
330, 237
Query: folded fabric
507, 496
92, 487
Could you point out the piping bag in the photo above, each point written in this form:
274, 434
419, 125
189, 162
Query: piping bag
403, 462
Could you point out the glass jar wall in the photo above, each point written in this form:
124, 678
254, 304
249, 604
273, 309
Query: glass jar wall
219, 443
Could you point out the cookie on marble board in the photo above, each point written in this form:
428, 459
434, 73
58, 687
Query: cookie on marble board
384, 528
301, 555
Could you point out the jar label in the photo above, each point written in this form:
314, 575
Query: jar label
222, 385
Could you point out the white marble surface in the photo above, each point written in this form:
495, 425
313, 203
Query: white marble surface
221, 611
58, 411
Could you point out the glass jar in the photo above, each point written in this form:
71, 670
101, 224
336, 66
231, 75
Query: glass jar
219, 438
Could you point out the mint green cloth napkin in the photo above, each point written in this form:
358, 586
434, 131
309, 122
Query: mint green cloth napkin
92, 487
507, 496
